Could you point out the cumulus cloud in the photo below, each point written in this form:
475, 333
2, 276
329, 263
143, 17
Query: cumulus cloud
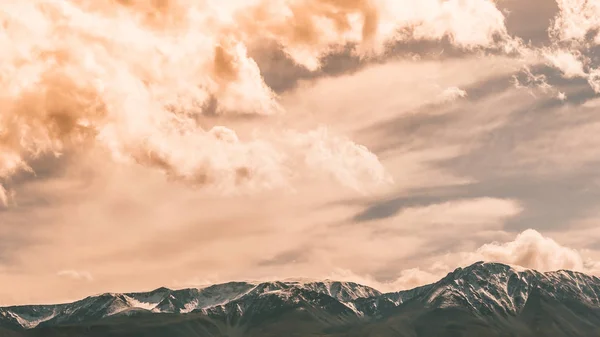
530, 249
76, 275
135, 76
575, 30
574, 64
576, 20
566, 61
307, 29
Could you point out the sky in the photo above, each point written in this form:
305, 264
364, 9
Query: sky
181, 143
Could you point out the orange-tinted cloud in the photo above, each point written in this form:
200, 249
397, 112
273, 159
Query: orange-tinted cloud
134, 77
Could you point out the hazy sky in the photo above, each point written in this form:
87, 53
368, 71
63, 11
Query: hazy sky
184, 142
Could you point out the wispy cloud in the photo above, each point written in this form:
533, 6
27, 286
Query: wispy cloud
117, 140
76, 275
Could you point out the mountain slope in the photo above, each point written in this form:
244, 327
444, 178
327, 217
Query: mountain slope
217, 300
484, 299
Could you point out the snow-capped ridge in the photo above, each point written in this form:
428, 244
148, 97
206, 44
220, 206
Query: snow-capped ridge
484, 288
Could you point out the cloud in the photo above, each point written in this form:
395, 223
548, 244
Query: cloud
76, 275
159, 221
453, 93
344, 161
561, 96
530, 249
123, 88
307, 29
576, 28
74, 78
80, 74
409, 278
566, 61
532, 82
3, 196
594, 79
467, 212
574, 63
382, 251
576, 20
467, 23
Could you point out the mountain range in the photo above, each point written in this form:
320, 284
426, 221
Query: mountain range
484, 299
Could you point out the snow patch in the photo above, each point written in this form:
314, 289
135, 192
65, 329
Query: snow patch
133, 303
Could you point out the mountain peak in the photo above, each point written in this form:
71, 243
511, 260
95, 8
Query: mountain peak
161, 290
483, 289
485, 267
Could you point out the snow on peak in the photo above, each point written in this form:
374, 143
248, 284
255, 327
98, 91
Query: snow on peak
485, 288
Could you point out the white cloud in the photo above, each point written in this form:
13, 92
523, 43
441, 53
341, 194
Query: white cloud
561, 96
572, 64
342, 160
576, 19
469, 24
594, 79
566, 61
83, 84
530, 249
467, 212
76, 275
453, 93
